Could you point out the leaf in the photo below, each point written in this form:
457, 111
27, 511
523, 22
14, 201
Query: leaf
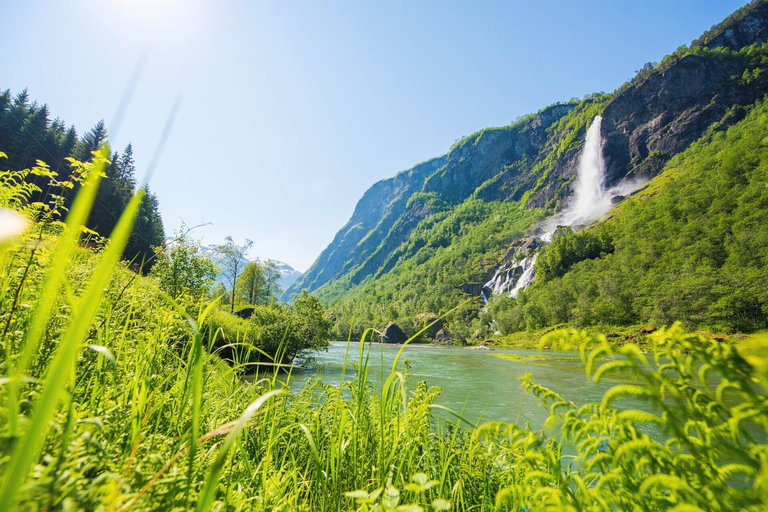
637, 416
212, 481
391, 497
622, 391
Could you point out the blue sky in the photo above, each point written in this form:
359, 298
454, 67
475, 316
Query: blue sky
291, 110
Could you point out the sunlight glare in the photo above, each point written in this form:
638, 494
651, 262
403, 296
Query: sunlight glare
165, 23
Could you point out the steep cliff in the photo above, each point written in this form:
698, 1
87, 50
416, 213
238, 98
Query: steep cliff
374, 215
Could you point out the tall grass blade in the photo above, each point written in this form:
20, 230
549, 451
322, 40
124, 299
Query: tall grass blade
212, 481
27, 449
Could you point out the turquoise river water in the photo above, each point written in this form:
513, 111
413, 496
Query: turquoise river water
484, 387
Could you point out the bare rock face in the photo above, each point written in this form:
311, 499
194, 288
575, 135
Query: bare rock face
523, 248
662, 115
472, 288
392, 333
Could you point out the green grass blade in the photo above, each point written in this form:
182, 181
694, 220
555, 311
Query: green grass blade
209, 488
65, 247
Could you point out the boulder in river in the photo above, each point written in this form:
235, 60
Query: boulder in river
392, 333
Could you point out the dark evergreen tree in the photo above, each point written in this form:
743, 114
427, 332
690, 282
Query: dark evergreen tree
147, 233
90, 142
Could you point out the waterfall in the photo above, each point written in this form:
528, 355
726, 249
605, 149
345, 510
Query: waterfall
590, 200
526, 278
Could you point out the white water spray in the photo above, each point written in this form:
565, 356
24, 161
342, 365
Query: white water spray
590, 199
528, 265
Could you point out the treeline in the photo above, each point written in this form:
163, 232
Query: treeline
692, 246
27, 134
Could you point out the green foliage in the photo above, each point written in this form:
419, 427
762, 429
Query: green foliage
258, 284
444, 251
31, 138
276, 332
565, 251
710, 418
309, 320
233, 262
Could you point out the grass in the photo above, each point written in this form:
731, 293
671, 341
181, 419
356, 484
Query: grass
112, 398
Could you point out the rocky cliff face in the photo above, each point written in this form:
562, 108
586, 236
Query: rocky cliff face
535, 160
375, 214
659, 117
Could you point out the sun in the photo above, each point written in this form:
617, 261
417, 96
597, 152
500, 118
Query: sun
150, 22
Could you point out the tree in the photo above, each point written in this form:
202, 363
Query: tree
311, 326
147, 231
253, 286
219, 291
90, 142
271, 278
233, 261
181, 270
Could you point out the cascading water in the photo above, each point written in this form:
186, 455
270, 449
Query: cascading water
590, 200
526, 278
589, 197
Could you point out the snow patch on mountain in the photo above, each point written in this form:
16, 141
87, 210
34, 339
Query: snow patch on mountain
288, 274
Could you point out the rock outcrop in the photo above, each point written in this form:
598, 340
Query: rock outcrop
428, 321
392, 333
245, 313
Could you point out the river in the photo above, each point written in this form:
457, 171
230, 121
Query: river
484, 387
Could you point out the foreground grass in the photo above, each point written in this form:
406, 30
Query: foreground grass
112, 399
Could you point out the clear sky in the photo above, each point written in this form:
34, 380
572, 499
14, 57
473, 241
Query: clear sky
290, 110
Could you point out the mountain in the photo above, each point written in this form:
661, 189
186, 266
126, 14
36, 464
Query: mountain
418, 241
288, 274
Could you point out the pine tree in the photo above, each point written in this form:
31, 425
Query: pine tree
90, 142
147, 233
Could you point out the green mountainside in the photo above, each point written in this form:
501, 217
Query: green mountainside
427, 239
